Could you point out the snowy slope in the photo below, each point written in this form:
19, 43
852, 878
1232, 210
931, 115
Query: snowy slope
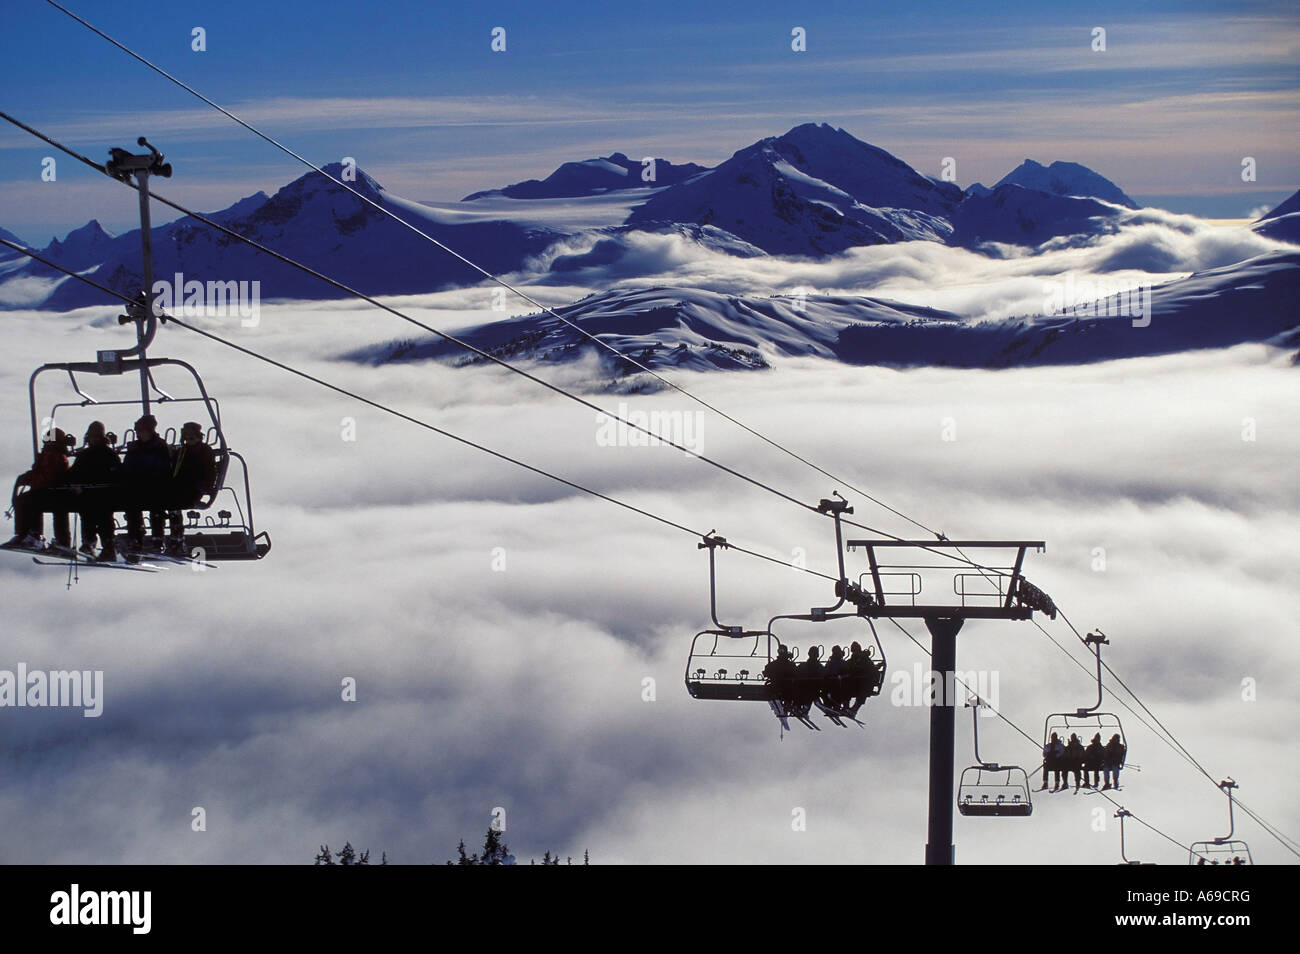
8, 252
689, 328
672, 327
1250, 301
593, 177
1015, 215
1283, 223
1066, 178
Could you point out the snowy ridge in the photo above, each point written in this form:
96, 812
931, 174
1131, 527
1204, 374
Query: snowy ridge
672, 327
612, 173
701, 330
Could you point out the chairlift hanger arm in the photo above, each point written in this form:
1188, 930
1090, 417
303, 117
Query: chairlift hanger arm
1095, 641
1228, 785
975, 727
711, 542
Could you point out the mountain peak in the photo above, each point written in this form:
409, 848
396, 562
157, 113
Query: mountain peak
90, 231
354, 177
1066, 178
81, 247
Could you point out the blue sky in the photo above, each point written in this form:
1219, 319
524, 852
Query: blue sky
1182, 93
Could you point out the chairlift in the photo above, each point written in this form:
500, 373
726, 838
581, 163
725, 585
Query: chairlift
230, 533
729, 662
220, 524
1086, 723
1225, 850
988, 789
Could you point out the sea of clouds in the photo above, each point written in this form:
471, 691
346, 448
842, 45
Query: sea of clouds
481, 687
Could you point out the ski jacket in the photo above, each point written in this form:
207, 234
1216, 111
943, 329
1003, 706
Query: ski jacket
97, 464
147, 463
49, 468
194, 472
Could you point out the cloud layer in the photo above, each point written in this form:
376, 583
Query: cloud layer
522, 688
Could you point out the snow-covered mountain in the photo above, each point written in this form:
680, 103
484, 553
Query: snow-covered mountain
1066, 178
315, 221
813, 191
1283, 223
1015, 215
690, 328
611, 173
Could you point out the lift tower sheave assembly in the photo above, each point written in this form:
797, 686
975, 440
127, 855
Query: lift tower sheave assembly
896, 588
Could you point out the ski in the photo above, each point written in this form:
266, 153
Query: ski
836, 715
141, 567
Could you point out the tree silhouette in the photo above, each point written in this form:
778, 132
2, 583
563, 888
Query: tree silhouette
347, 856
495, 852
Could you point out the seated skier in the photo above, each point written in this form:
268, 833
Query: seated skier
780, 675
193, 475
47, 472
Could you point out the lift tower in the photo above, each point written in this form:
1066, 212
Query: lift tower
894, 590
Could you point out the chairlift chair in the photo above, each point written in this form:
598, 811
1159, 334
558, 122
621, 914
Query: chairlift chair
220, 524
1087, 722
729, 662
990, 790
230, 534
